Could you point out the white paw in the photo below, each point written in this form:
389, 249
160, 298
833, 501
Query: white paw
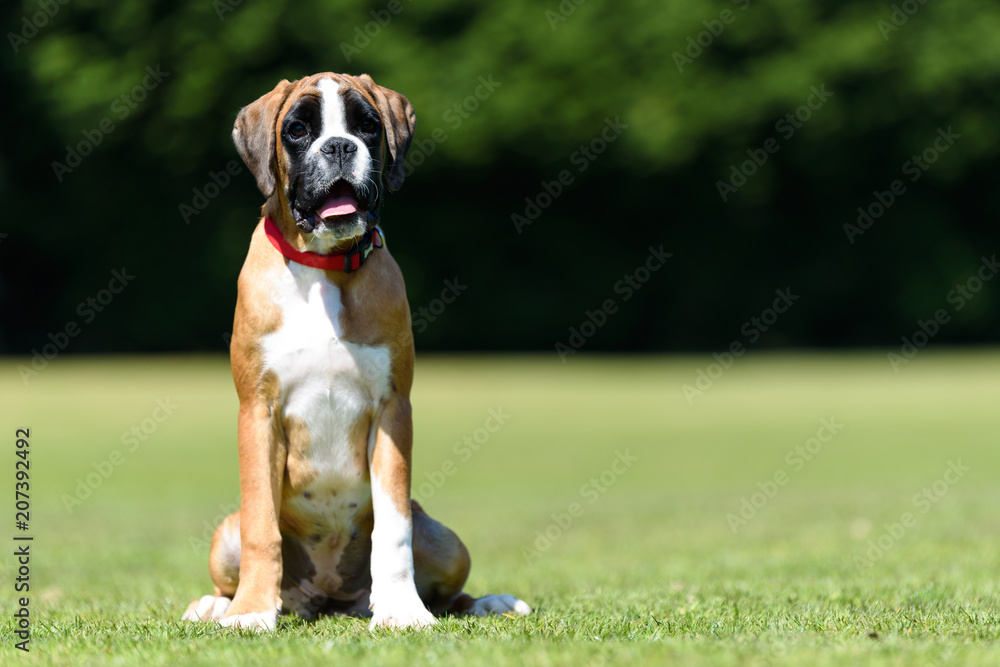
500, 605
260, 621
206, 608
402, 612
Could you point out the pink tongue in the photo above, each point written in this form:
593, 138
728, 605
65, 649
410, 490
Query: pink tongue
338, 205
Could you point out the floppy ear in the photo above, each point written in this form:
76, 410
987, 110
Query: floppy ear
399, 119
253, 134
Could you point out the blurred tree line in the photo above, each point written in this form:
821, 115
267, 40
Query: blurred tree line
844, 153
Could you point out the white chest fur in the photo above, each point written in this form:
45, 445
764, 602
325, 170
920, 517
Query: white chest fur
326, 382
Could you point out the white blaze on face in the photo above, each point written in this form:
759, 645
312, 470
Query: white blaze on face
335, 125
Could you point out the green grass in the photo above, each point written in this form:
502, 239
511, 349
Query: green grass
648, 573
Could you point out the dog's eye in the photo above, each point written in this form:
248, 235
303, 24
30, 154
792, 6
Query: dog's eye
296, 130
368, 125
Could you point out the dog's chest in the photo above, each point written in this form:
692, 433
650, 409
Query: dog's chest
330, 388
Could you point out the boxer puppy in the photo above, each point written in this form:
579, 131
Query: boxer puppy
322, 358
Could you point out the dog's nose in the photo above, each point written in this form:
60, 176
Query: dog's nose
338, 146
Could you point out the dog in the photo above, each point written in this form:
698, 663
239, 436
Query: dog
322, 359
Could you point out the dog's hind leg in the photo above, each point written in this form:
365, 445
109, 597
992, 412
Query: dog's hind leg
441, 565
224, 568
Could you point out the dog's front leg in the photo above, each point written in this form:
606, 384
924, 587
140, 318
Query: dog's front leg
262, 467
394, 598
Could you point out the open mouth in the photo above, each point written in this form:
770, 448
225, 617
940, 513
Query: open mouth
340, 202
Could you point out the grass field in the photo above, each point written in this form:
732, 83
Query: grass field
874, 537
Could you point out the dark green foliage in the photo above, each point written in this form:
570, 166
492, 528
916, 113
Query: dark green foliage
690, 117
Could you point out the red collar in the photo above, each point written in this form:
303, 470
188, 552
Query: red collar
341, 260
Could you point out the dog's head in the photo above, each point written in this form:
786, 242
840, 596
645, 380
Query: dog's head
327, 146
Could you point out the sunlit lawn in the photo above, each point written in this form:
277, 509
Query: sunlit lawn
654, 558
